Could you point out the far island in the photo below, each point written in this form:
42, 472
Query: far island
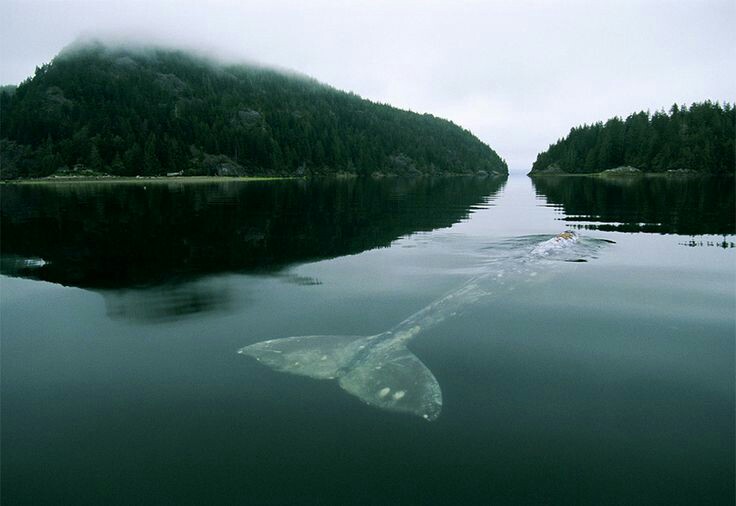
107, 110
695, 140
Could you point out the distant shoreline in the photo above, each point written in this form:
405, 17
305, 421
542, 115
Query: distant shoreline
213, 179
140, 180
609, 175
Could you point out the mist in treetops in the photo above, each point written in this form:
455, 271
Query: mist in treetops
102, 108
105, 108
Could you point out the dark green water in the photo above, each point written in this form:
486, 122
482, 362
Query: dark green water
605, 382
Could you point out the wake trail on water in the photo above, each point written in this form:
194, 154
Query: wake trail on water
380, 370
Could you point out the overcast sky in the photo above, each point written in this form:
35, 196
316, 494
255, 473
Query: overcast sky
517, 73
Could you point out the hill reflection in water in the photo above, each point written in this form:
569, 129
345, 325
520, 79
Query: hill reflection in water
145, 246
664, 205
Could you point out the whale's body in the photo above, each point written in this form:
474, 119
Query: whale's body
380, 370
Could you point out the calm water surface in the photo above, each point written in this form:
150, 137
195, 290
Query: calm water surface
606, 382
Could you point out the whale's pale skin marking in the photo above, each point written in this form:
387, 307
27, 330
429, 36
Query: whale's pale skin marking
380, 370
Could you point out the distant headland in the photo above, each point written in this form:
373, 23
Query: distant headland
695, 140
109, 110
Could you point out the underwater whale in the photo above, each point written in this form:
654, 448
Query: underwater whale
380, 369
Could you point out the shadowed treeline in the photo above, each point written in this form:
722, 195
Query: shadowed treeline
665, 205
126, 111
121, 236
697, 138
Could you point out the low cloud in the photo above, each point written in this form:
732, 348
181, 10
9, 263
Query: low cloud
517, 74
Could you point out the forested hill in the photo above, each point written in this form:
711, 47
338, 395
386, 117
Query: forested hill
153, 111
699, 138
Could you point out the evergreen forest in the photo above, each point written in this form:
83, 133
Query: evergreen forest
150, 111
696, 138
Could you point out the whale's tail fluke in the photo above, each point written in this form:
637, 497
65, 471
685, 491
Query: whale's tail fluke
381, 373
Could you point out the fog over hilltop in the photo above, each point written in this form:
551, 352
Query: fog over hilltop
516, 74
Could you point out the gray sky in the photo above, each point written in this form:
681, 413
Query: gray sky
518, 74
